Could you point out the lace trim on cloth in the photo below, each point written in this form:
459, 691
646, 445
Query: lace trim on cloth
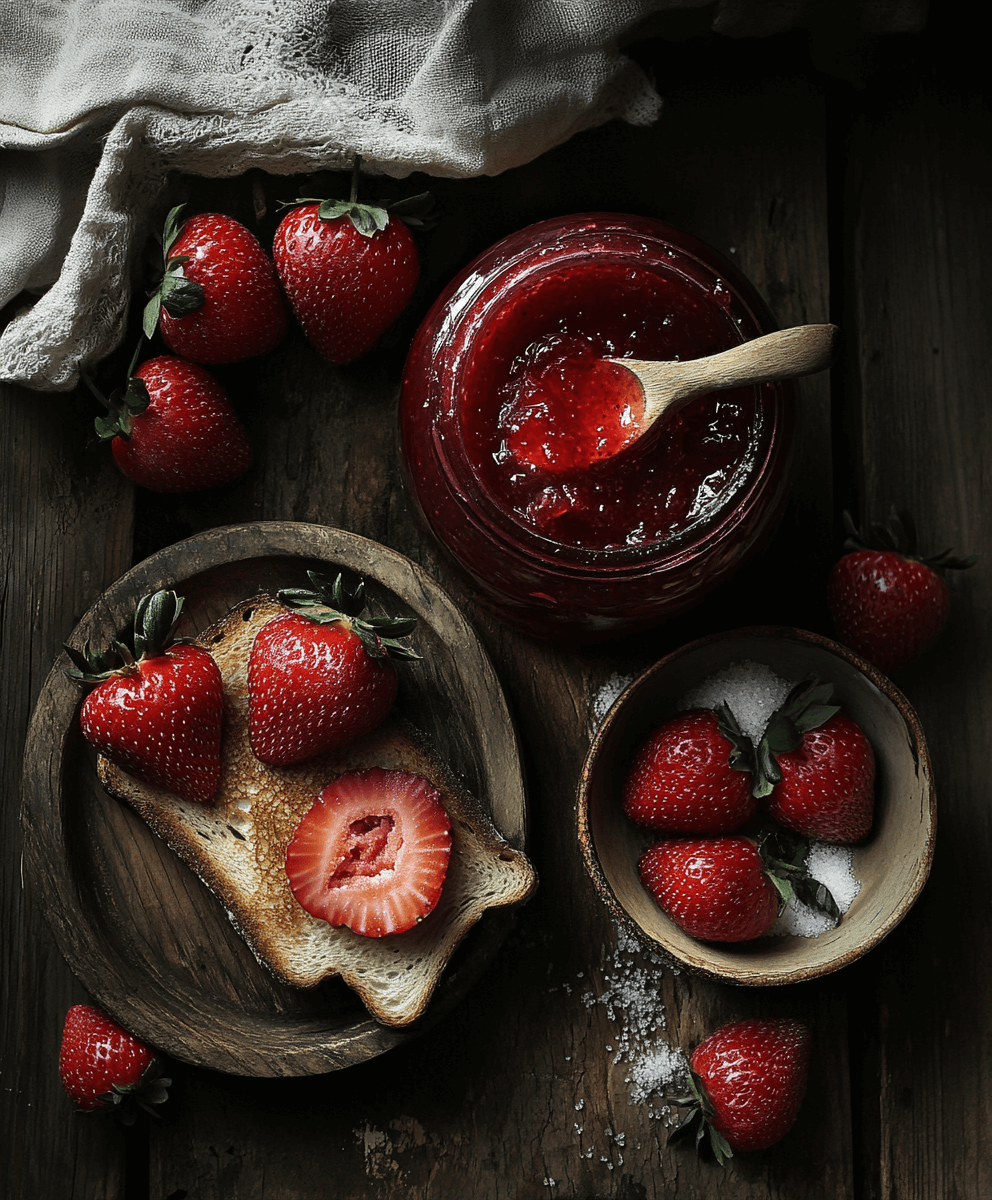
103, 99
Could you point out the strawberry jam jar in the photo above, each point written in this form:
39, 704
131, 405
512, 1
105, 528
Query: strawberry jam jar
512, 422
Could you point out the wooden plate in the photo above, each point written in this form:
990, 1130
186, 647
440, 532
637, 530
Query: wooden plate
892, 864
145, 937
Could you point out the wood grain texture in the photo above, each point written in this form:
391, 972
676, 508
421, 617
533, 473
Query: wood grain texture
866, 207
531, 1079
920, 174
67, 528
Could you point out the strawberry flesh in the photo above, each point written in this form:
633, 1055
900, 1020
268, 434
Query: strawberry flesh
161, 721
680, 780
372, 853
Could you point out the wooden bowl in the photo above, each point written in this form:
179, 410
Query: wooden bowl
892, 865
145, 937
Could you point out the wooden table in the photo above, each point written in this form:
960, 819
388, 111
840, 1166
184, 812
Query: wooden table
862, 200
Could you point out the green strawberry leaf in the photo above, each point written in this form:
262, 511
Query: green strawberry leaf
155, 620
419, 212
897, 534
180, 296
331, 601
719, 1145
368, 219
805, 708
149, 315
123, 404
785, 889
742, 756
689, 1127
785, 855
175, 293
170, 231
89, 666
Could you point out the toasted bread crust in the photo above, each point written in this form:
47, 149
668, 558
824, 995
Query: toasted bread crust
237, 846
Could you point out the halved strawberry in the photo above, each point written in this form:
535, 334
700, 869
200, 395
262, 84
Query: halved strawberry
372, 852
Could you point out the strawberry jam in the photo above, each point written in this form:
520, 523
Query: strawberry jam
518, 433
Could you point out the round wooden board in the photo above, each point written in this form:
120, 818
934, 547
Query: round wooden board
144, 936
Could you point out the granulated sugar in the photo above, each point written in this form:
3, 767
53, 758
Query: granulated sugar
604, 699
751, 690
632, 998
832, 866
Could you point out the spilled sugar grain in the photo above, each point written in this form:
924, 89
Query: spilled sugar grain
631, 995
607, 695
751, 690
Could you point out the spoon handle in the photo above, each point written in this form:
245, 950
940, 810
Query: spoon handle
787, 354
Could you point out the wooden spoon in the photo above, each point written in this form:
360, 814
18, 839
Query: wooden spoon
787, 354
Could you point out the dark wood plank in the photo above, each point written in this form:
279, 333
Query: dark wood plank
532, 1079
67, 525
920, 175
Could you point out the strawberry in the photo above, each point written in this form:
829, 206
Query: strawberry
690, 776
816, 769
887, 603
715, 889
731, 889
104, 1068
372, 852
349, 269
318, 676
219, 300
747, 1082
173, 429
159, 714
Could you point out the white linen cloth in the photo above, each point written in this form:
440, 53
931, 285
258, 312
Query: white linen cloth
101, 99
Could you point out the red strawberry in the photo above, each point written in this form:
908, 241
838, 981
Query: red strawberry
318, 677
827, 790
746, 1085
372, 853
683, 778
716, 889
219, 300
103, 1067
174, 430
159, 716
888, 604
816, 768
349, 270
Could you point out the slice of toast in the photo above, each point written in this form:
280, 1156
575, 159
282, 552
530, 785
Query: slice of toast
237, 846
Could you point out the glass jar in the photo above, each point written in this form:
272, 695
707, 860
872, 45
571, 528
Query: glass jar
602, 548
